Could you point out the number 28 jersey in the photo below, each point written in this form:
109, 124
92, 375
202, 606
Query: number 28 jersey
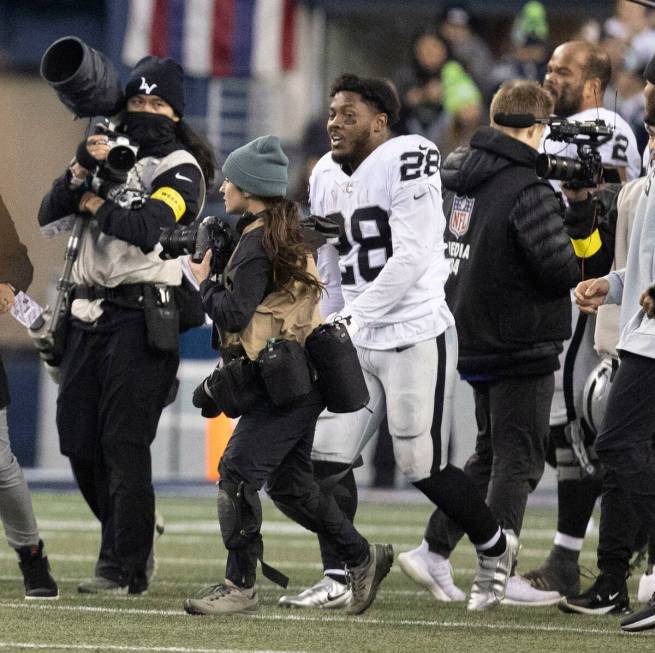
391, 249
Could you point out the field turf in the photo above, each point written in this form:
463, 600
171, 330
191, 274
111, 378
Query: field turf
404, 619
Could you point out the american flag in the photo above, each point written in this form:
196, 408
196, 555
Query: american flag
215, 38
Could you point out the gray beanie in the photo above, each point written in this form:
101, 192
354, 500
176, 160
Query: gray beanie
260, 167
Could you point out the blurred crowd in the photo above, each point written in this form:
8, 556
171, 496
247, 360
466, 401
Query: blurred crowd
451, 72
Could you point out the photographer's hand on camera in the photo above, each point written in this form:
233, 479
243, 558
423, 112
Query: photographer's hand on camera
202, 270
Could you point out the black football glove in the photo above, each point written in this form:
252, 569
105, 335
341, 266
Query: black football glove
202, 400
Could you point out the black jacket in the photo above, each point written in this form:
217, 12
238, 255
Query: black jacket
16, 270
512, 264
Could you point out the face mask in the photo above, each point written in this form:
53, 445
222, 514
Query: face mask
149, 129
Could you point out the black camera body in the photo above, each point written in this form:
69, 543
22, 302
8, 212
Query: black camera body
585, 171
211, 233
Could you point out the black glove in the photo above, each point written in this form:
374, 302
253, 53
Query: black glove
202, 400
84, 158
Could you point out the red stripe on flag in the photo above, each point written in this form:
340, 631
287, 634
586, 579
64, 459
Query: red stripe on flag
222, 38
288, 43
159, 31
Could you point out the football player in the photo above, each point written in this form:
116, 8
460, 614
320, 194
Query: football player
382, 196
577, 76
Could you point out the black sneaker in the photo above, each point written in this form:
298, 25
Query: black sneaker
605, 596
39, 584
642, 620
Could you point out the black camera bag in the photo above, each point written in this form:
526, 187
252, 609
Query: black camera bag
340, 376
162, 318
235, 387
285, 371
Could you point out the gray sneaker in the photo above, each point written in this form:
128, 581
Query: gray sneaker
490, 581
366, 578
151, 562
327, 593
559, 573
224, 598
101, 585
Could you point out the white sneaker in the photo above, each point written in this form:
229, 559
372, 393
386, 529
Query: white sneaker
520, 592
327, 593
646, 587
432, 571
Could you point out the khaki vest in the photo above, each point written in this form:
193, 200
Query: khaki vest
280, 315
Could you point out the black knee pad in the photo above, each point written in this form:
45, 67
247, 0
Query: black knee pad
239, 513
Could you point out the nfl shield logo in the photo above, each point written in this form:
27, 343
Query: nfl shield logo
460, 215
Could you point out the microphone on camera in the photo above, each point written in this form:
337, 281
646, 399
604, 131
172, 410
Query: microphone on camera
515, 120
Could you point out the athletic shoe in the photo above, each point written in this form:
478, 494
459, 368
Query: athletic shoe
39, 584
102, 585
491, 579
559, 573
431, 571
520, 592
224, 598
151, 562
366, 578
327, 593
646, 585
642, 620
605, 596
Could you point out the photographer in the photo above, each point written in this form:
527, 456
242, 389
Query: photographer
269, 290
512, 266
121, 352
15, 504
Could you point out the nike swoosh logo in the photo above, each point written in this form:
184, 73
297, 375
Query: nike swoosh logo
422, 147
181, 177
611, 597
418, 197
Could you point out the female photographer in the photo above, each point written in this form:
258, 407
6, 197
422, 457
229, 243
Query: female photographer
121, 350
269, 290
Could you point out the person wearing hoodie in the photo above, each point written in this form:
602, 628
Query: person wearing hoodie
512, 265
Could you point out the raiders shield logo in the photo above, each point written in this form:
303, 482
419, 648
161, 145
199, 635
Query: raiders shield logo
460, 215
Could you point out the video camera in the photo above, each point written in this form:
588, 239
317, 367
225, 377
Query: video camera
211, 233
584, 172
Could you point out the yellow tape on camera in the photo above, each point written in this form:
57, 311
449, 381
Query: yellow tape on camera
172, 199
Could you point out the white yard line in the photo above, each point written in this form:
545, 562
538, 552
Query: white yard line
422, 623
117, 647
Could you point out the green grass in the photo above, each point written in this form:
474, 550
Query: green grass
403, 618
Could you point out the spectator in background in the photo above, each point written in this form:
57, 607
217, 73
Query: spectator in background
466, 46
529, 55
419, 85
631, 25
463, 109
16, 510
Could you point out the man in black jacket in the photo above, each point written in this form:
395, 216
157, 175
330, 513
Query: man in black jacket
15, 503
512, 266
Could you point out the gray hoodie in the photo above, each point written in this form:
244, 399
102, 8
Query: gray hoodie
626, 285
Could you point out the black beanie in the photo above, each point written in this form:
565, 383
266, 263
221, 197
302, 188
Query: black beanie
161, 77
649, 72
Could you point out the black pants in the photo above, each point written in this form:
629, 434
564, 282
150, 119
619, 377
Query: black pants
112, 391
273, 445
512, 417
625, 447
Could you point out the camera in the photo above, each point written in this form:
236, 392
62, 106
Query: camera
585, 171
211, 233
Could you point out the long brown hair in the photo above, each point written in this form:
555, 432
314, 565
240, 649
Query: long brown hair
285, 245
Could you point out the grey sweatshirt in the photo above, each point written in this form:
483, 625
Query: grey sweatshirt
627, 284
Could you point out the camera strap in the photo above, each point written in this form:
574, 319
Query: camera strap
129, 291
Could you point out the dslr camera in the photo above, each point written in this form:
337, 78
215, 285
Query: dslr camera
587, 170
211, 233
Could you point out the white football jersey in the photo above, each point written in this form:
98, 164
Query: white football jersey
391, 251
620, 151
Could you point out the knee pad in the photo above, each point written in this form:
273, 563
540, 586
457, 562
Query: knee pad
239, 513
